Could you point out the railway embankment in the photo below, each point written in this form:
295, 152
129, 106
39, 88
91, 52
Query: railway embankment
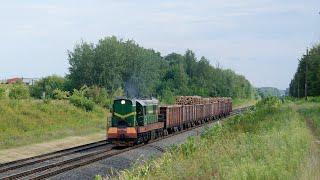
275, 141
27, 122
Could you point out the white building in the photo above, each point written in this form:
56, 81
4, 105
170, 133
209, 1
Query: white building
29, 81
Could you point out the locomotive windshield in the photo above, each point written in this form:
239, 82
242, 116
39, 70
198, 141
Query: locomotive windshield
124, 113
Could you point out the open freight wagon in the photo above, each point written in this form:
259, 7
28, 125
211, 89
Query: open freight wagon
178, 117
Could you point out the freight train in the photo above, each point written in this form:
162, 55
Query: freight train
136, 121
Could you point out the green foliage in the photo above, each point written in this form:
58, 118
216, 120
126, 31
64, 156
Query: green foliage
269, 103
314, 99
79, 99
114, 64
260, 144
19, 91
98, 177
168, 97
270, 91
2, 92
60, 94
98, 95
311, 112
48, 85
312, 61
238, 103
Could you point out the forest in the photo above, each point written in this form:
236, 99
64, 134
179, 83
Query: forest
118, 65
308, 73
265, 92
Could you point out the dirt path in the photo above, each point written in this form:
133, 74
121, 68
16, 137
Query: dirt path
312, 168
22, 152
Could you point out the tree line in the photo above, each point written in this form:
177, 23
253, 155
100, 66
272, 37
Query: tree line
111, 68
308, 72
265, 92
115, 64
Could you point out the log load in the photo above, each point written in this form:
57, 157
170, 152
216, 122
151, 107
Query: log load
191, 100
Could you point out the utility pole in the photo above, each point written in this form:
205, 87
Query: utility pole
298, 81
298, 85
305, 84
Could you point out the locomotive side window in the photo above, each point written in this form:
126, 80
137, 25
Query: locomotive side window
154, 109
139, 114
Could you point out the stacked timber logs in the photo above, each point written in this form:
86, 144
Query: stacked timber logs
190, 100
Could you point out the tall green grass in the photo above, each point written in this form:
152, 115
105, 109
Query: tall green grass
237, 103
30, 121
311, 112
270, 142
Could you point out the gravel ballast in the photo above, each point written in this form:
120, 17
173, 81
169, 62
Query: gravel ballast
127, 159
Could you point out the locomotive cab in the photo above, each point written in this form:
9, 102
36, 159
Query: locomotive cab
123, 122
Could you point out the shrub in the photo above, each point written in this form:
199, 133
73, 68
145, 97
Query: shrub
60, 95
98, 95
19, 91
2, 92
47, 101
314, 99
269, 103
47, 85
78, 99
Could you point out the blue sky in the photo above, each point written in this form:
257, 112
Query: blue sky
261, 40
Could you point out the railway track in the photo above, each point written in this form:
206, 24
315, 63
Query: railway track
48, 165
11, 170
24, 162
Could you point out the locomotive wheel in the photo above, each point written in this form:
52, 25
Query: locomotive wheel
162, 132
181, 128
153, 135
146, 137
140, 139
165, 132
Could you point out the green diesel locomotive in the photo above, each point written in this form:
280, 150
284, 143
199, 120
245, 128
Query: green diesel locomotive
134, 121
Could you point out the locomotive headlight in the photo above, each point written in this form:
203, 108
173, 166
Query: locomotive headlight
123, 102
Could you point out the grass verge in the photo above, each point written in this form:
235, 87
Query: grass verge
310, 111
238, 103
271, 142
24, 122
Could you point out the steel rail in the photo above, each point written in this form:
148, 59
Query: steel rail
44, 157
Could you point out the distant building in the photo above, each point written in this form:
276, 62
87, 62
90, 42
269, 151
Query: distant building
26, 81
13, 80
30, 81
